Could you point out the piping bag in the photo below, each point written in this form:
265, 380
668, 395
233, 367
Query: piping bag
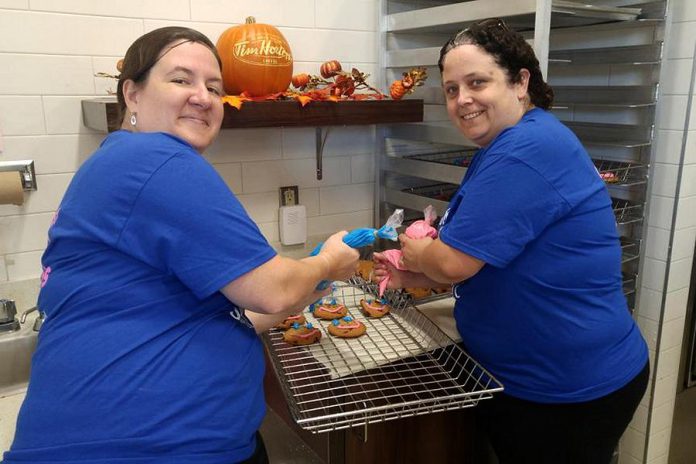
364, 236
419, 229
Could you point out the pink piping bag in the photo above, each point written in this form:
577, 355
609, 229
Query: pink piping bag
419, 229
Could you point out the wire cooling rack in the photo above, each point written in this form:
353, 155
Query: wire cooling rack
403, 366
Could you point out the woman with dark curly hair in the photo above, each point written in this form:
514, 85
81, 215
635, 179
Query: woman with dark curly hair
529, 242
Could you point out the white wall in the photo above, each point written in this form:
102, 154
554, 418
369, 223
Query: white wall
50, 50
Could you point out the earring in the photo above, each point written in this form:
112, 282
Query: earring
133, 120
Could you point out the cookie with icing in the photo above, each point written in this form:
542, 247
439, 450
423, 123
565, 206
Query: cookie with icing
329, 310
305, 334
346, 327
374, 308
290, 320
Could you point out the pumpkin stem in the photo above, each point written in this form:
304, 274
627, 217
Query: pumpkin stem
250, 20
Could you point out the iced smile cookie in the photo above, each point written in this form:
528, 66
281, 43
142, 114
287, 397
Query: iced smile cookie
302, 334
329, 311
346, 327
290, 320
374, 308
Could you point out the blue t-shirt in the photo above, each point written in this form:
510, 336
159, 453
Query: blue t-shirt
546, 315
141, 359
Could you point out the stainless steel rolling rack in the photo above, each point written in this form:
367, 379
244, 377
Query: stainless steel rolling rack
603, 63
403, 366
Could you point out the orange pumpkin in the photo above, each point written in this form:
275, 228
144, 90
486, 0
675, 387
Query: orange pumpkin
300, 80
256, 59
397, 90
330, 68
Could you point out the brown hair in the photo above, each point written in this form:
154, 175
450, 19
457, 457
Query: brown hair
510, 51
146, 51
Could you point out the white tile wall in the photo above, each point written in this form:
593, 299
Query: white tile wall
679, 274
357, 15
658, 447
675, 304
633, 445
51, 153
299, 13
681, 43
675, 117
684, 11
690, 152
650, 303
61, 34
53, 74
665, 179
168, 9
669, 146
669, 361
23, 233
3, 270
20, 115
43, 200
23, 266
18, 4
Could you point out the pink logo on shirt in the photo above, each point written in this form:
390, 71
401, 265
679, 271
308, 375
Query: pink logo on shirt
44, 275
55, 216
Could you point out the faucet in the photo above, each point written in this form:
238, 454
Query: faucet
38, 322
8, 311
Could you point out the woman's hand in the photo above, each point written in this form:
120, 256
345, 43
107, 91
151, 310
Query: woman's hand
340, 258
384, 268
411, 251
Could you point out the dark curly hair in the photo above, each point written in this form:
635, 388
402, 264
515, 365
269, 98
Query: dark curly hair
147, 50
510, 51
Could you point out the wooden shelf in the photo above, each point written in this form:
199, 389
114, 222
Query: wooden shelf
101, 113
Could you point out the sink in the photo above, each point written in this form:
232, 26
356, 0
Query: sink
16, 349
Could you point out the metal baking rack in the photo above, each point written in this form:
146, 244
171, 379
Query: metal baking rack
625, 173
627, 212
442, 192
455, 158
630, 249
393, 297
629, 284
403, 366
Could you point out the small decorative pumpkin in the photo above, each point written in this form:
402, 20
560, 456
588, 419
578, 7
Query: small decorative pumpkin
397, 90
256, 59
300, 80
330, 69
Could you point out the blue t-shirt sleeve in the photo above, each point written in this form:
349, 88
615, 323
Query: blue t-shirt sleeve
188, 223
500, 209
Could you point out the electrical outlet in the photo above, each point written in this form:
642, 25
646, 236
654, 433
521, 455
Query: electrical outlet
289, 196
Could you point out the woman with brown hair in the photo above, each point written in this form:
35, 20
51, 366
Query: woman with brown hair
153, 276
